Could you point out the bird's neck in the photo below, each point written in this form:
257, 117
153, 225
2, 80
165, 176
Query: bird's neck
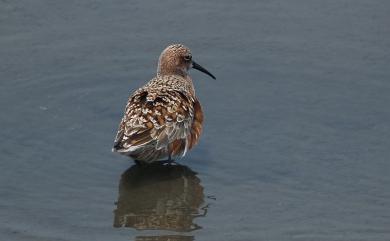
165, 70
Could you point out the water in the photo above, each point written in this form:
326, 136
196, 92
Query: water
296, 139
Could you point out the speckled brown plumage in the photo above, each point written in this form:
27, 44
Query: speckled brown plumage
163, 118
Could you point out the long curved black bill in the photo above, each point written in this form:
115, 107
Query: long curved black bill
201, 69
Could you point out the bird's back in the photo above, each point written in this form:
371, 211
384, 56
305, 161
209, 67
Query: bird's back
163, 118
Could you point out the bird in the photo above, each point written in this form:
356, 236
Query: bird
163, 119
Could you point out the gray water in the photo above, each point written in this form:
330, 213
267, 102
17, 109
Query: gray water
296, 143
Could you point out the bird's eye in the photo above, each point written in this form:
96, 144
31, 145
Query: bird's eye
187, 57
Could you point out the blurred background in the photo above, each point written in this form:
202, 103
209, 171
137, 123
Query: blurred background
297, 124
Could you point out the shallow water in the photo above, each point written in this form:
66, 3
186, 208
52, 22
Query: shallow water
296, 140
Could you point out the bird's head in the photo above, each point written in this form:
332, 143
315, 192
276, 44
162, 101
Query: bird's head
177, 59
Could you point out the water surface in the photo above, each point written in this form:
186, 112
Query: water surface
296, 138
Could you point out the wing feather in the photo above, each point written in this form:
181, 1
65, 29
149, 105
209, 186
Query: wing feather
160, 120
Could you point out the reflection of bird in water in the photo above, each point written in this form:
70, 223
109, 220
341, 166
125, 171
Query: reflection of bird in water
165, 238
156, 196
163, 119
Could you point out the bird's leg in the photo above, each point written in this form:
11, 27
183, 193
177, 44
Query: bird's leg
170, 160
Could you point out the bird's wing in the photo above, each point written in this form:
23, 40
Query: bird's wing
159, 118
